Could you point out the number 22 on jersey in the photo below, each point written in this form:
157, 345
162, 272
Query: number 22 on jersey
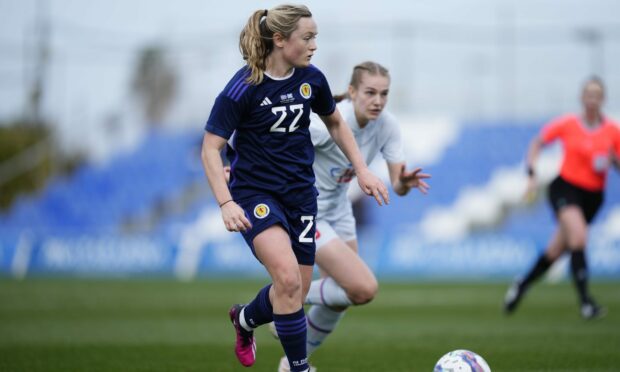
281, 112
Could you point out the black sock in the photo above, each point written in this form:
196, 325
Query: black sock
539, 268
580, 274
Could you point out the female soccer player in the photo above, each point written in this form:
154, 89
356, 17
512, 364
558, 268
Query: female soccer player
347, 279
591, 144
271, 198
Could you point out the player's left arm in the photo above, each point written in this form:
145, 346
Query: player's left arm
403, 181
614, 149
614, 155
341, 133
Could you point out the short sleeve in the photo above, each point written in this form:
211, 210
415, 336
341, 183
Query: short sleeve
554, 129
617, 141
323, 103
392, 150
318, 131
225, 117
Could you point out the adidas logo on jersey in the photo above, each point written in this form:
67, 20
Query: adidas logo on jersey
266, 101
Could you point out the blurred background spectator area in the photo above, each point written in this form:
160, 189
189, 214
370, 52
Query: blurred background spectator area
102, 106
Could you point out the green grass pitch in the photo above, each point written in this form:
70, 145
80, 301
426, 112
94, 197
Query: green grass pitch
159, 325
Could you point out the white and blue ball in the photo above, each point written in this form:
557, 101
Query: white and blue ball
461, 361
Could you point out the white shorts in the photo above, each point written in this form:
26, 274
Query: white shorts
335, 223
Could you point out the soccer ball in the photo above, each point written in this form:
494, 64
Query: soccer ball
461, 360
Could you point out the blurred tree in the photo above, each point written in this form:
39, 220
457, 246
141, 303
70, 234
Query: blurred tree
154, 83
29, 157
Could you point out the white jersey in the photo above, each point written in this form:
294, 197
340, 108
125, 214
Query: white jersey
332, 168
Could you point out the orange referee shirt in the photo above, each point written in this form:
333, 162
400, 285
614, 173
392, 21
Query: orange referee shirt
586, 150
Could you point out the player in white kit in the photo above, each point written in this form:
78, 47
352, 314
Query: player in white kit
346, 279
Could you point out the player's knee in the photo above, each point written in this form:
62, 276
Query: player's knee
364, 292
288, 283
578, 241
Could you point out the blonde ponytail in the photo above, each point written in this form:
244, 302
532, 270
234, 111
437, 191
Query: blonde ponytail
256, 38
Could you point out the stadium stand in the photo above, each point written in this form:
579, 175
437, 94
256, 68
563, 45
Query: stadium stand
152, 206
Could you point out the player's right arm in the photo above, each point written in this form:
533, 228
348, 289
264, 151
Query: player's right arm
549, 133
232, 214
533, 152
614, 151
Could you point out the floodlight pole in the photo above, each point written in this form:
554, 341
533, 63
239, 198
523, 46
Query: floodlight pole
593, 38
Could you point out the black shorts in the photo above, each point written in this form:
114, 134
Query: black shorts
563, 193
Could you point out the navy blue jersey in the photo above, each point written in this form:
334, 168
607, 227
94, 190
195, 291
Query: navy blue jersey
271, 149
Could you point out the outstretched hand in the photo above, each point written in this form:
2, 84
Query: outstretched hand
414, 179
372, 185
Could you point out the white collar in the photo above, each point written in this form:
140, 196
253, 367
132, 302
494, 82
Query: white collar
280, 78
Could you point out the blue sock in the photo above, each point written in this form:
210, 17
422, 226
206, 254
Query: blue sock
259, 311
292, 332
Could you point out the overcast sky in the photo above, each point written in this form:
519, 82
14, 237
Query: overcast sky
466, 58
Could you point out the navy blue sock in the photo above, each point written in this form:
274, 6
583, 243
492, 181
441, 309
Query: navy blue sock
292, 332
259, 311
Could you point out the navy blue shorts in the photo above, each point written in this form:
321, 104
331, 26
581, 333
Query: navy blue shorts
299, 221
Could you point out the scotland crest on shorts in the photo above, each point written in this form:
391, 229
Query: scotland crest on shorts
261, 210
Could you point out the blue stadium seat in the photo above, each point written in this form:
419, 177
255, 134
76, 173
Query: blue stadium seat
96, 199
470, 161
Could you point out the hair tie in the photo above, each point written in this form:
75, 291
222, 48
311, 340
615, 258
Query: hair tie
265, 14
227, 201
